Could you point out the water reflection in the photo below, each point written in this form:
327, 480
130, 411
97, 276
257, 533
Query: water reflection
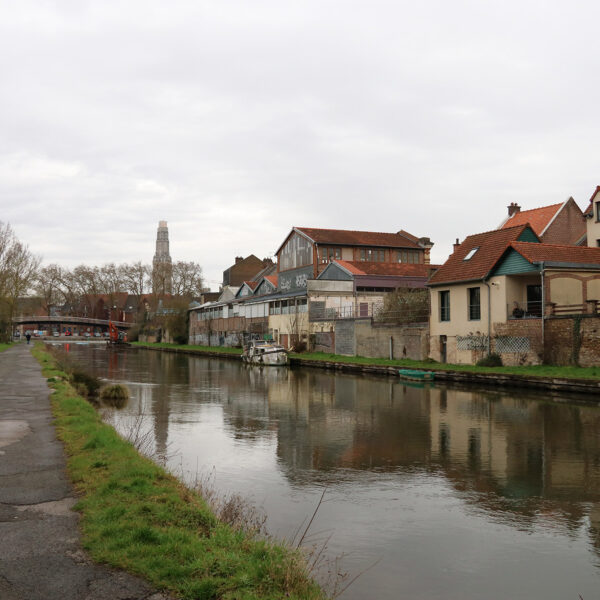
424, 470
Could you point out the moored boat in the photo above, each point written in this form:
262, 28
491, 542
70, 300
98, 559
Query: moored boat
261, 352
416, 375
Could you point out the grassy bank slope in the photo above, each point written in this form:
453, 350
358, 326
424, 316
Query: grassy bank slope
569, 372
200, 349
138, 517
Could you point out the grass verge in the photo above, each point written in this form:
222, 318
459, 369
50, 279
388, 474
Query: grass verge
568, 372
136, 516
4, 347
213, 349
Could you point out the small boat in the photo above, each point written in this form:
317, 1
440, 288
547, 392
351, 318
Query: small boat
261, 352
416, 375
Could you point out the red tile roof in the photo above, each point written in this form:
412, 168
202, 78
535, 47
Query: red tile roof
359, 238
557, 254
251, 284
272, 279
387, 269
491, 245
590, 209
538, 218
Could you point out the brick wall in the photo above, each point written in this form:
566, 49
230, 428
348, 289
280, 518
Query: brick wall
561, 340
568, 227
521, 328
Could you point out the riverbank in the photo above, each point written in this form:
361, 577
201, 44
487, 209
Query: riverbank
571, 379
41, 556
136, 516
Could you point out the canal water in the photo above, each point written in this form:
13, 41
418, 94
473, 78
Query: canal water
430, 492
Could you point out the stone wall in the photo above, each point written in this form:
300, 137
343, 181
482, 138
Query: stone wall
344, 337
373, 340
572, 340
323, 341
363, 337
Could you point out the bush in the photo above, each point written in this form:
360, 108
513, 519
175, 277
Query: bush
115, 395
491, 360
91, 382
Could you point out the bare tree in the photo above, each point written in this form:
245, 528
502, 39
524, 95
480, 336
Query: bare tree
18, 270
187, 279
49, 286
136, 277
405, 305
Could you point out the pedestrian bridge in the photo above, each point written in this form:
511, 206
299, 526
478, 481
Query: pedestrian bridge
65, 320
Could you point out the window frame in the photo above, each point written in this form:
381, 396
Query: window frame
474, 308
444, 305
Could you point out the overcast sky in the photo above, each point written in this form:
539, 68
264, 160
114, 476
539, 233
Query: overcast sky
235, 121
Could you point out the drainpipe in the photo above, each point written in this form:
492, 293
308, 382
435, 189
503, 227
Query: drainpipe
543, 312
489, 311
391, 348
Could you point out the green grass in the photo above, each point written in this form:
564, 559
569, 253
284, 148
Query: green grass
136, 516
569, 372
215, 349
6, 346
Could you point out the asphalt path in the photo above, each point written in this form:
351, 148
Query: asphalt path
40, 551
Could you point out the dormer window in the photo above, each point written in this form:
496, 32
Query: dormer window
471, 253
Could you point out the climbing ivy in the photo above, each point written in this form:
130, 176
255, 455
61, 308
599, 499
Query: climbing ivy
577, 340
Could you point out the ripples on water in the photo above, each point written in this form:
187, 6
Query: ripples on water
454, 494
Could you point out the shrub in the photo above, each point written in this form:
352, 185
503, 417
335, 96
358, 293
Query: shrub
115, 395
91, 382
491, 360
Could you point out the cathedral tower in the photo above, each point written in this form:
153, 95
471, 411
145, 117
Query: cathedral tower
162, 270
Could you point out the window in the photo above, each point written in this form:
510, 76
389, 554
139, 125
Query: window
597, 212
471, 253
444, 305
297, 252
474, 304
413, 257
534, 300
328, 254
372, 255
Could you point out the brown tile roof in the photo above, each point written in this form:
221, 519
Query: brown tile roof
538, 218
387, 269
491, 245
557, 254
359, 238
251, 284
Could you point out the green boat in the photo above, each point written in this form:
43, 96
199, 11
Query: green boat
416, 375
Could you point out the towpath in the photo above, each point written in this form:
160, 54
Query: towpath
40, 552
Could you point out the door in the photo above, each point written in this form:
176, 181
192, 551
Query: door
534, 300
443, 348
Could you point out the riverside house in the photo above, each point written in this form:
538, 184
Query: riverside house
499, 290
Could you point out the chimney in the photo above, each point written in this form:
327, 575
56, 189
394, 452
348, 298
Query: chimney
456, 245
238, 259
513, 209
426, 244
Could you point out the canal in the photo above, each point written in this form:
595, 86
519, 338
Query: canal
431, 492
